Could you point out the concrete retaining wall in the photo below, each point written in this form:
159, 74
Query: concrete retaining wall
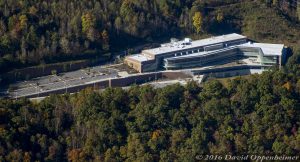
138, 79
96, 86
116, 82
146, 77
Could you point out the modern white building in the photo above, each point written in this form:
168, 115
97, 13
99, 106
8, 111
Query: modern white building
207, 52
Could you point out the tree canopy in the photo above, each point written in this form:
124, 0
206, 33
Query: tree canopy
258, 114
38, 32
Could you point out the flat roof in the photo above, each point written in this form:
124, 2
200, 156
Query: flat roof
202, 53
171, 47
267, 48
139, 57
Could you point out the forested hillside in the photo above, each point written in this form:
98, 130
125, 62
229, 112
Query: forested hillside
36, 32
255, 115
258, 115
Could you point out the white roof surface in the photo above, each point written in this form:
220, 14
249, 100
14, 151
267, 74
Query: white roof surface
202, 53
267, 49
139, 57
198, 43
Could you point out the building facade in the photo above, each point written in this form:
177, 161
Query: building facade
206, 52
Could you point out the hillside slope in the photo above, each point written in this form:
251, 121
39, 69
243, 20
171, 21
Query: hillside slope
37, 33
257, 21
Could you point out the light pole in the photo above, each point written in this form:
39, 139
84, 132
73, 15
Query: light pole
66, 87
155, 75
36, 89
16, 93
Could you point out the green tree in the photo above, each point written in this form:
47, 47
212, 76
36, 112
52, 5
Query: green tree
118, 24
298, 10
88, 21
65, 45
23, 57
2, 28
197, 21
23, 20
126, 9
105, 40
31, 36
275, 3
220, 16
92, 34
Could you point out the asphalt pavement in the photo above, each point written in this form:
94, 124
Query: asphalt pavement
61, 81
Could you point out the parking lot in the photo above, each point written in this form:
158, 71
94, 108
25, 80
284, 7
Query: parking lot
61, 81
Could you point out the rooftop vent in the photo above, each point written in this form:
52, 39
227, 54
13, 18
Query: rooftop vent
187, 40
